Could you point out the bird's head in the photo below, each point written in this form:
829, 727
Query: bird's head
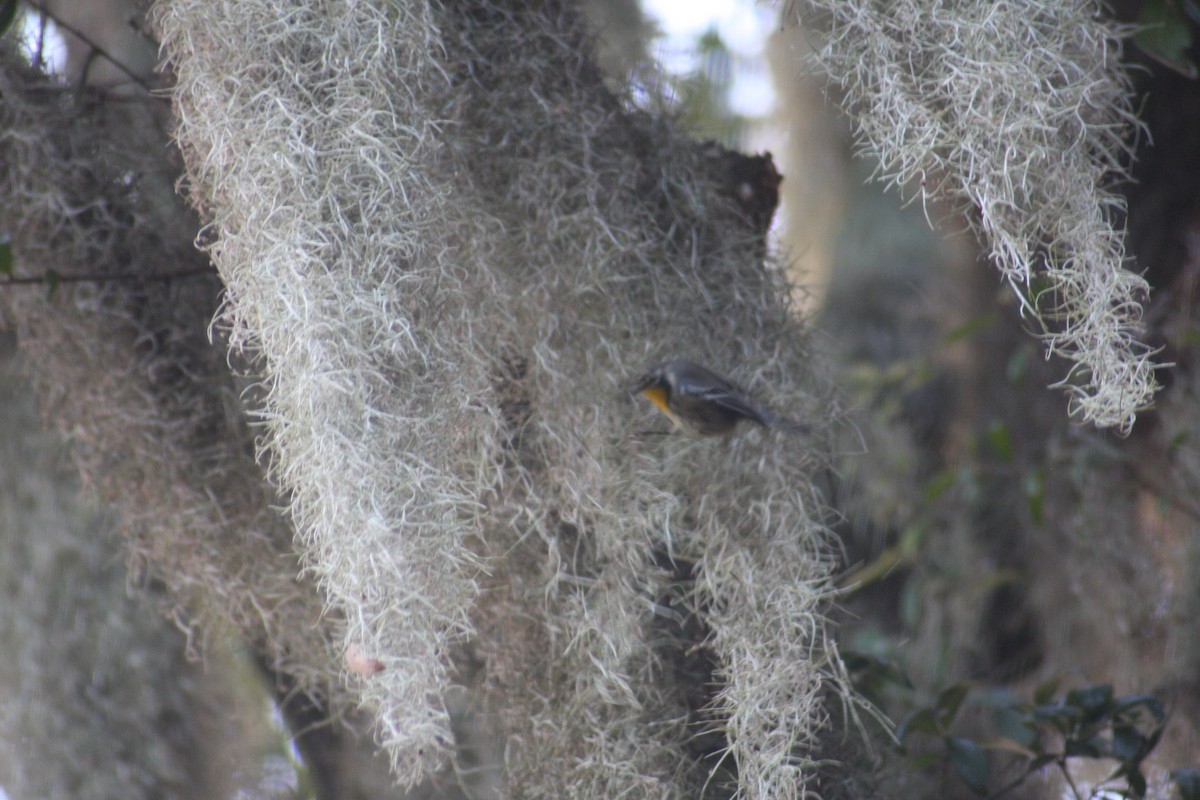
654, 385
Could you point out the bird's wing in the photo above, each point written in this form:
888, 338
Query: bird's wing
735, 400
725, 393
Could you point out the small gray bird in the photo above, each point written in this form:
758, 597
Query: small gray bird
701, 402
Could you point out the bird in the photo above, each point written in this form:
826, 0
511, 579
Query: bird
701, 402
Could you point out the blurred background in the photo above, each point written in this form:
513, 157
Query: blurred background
998, 559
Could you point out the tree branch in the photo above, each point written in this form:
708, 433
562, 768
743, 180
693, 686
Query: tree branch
96, 49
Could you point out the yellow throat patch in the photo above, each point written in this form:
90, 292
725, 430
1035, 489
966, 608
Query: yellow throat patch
658, 396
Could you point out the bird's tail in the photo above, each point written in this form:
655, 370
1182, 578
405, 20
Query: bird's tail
773, 420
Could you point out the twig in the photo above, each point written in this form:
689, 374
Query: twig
115, 276
97, 49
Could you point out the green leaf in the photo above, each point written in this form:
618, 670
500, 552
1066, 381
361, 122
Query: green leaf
1137, 784
949, 701
970, 762
1043, 693
1128, 744
936, 486
857, 661
1155, 735
1188, 337
1146, 701
1034, 487
872, 669
1061, 718
1165, 36
1188, 781
1039, 287
923, 720
53, 279
891, 560
990, 581
1094, 701
8, 14
911, 603
1076, 748
1012, 724
969, 328
1041, 761
922, 762
1007, 745
999, 441
1017, 367
911, 539
997, 697
6, 254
